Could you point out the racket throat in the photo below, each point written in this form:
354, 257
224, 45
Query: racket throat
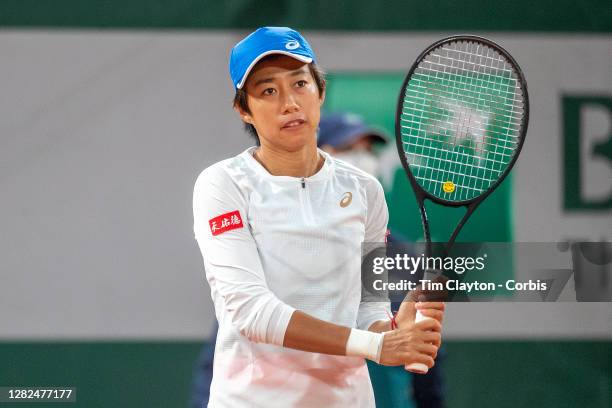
459, 227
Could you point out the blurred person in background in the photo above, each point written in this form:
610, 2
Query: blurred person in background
348, 137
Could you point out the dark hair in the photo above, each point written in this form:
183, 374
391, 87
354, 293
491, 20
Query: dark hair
240, 99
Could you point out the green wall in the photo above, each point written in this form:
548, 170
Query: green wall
158, 374
469, 15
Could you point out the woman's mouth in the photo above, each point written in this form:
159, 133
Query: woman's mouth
294, 124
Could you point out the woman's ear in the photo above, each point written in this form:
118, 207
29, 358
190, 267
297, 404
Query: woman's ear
245, 116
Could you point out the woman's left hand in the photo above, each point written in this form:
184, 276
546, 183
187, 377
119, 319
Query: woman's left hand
429, 302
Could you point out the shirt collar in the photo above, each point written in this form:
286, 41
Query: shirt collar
324, 172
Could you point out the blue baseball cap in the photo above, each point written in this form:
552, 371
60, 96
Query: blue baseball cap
339, 129
262, 42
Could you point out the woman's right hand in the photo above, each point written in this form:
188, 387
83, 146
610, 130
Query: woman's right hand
413, 343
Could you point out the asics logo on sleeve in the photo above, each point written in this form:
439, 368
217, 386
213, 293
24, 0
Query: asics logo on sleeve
347, 198
225, 222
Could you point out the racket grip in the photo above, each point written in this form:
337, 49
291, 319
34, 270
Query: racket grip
418, 368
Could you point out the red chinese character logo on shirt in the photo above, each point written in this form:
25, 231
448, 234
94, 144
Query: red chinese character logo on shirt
225, 222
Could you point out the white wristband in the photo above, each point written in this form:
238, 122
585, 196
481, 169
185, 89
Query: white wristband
363, 343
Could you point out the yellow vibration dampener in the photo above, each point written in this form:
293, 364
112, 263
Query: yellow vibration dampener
448, 187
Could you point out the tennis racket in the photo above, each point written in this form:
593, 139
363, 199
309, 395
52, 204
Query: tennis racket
460, 125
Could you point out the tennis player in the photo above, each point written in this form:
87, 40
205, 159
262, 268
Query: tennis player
280, 228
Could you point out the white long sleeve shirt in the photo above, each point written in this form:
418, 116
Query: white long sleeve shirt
274, 244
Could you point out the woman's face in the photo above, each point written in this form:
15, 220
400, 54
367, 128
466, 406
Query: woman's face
284, 103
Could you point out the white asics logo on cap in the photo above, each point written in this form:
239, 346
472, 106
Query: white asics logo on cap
292, 45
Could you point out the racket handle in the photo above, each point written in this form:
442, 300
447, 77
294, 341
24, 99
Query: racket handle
418, 368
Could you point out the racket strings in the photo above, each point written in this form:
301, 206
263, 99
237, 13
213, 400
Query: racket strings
501, 117
450, 126
504, 118
459, 153
461, 118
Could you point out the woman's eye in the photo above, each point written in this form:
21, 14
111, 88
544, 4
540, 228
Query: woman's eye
268, 91
301, 83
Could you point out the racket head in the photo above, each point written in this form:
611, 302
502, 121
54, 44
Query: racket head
463, 97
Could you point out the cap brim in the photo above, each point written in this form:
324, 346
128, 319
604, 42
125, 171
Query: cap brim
306, 60
351, 137
377, 137
374, 135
